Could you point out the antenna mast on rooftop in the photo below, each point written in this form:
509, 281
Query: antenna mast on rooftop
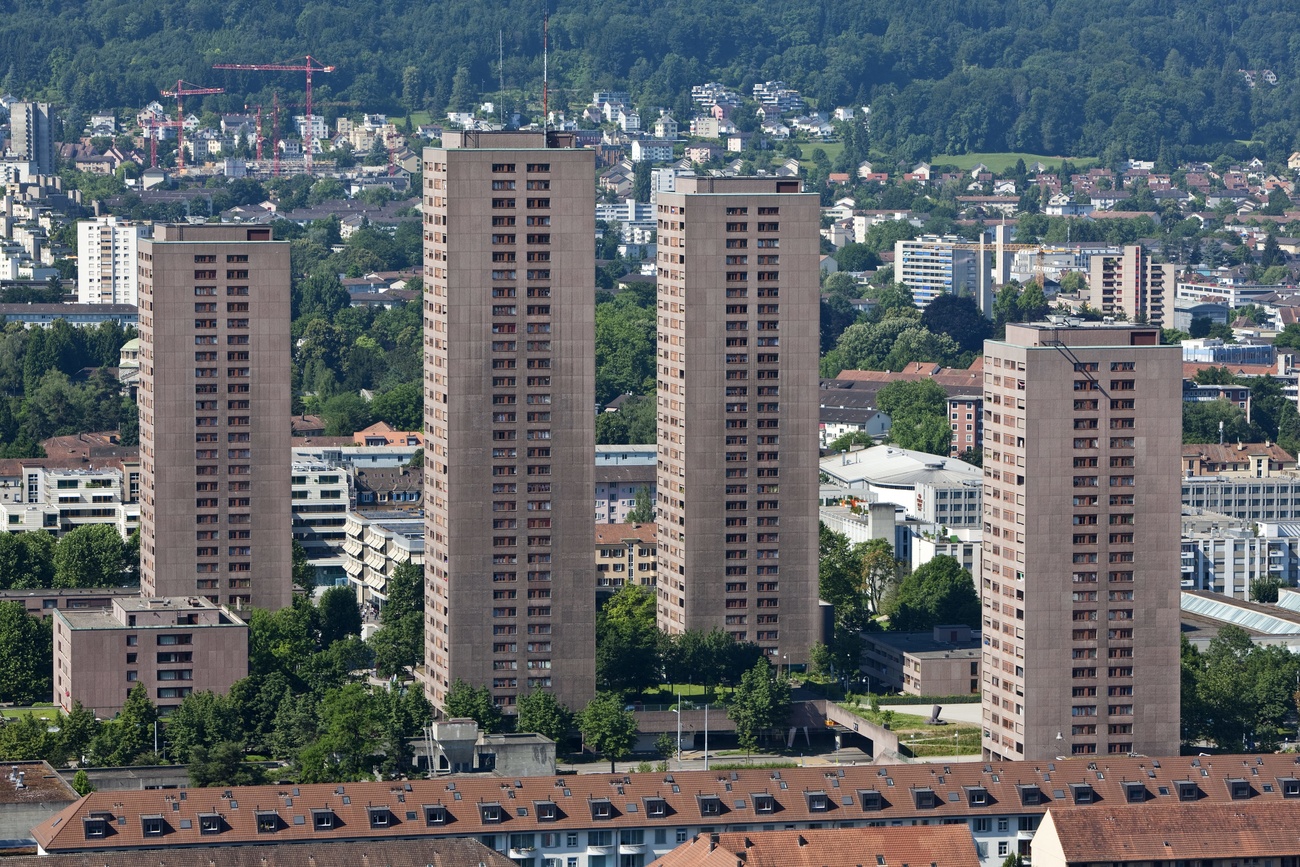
546, 36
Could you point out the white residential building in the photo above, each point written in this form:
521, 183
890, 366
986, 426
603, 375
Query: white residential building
320, 507
1228, 555
375, 544
59, 500
106, 260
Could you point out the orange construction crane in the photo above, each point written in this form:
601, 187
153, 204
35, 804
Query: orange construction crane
310, 65
183, 90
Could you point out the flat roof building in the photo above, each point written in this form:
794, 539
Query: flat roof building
214, 398
737, 411
174, 646
509, 379
1081, 531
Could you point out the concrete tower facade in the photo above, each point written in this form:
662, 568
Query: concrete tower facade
737, 411
509, 375
1080, 584
214, 415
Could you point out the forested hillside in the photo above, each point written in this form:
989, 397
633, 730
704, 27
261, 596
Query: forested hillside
1098, 77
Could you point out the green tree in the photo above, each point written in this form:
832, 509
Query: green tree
937, 593
399, 641
89, 556
202, 720
129, 737
607, 728
81, 783
541, 712
918, 415
760, 702
26, 656
643, 512
960, 318
304, 574
339, 615
402, 406
468, 702
626, 641
854, 257
1201, 422
223, 764
349, 732
880, 571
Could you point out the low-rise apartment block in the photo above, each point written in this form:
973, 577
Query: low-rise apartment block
944, 661
174, 646
1229, 555
57, 500
625, 554
376, 543
320, 507
622, 472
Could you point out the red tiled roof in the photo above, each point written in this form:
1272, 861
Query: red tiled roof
939, 846
855, 793
1176, 831
427, 852
610, 534
1191, 368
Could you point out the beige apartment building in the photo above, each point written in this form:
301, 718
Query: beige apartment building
736, 488
1081, 541
509, 376
1132, 287
174, 646
214, 404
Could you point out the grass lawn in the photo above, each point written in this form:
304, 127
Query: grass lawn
832, 149
46, 711
923, 740
1000, 162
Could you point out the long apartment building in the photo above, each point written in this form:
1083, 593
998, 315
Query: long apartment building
629, 820
1081, 534
509, 377
736, 487
214, 400
107, 248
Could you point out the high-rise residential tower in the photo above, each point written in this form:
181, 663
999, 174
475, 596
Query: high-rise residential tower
737, 409
214, 415
509, 412
1129, 285
106, 260
1082, 437
30, 136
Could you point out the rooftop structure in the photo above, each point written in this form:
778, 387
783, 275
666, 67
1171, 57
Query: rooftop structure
941, 846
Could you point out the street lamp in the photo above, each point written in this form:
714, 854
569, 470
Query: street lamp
678, 710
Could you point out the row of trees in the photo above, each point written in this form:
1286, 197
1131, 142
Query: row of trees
869, 587
633, 655
93, 555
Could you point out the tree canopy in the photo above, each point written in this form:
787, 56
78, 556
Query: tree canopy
937, 593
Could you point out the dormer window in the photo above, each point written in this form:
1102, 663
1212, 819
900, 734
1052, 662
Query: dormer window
601, 808
1030, 795
925, 798
546, 811
491, 814
764, 804
322, 820
817, 801
1188, 791
710, 805
977, 796
435, 815
96, 826
1135, 793
1239, 788
210, 823
1290, 787
268, 821
380, 817
656, 808
1082, 793
871, 800
151, 826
